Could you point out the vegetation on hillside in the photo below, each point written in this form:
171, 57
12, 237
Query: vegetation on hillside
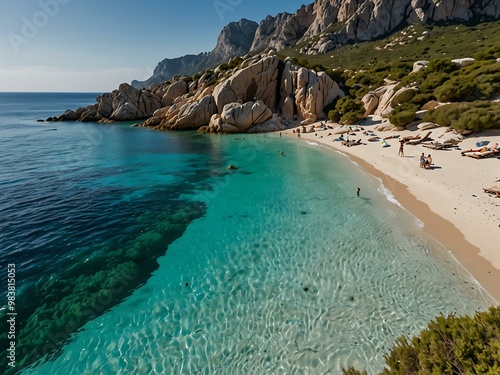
363, 67
413, 43
449, 345
473, 116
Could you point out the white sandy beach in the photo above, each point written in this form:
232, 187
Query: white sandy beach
448, 198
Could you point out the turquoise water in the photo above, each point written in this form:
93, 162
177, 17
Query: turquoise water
139, 252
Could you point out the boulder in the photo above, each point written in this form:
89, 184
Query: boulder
306, 91
89, 115
403, 95
419, 66
69, 115
130, 103
370, 102
466, 61
383, 108
228, 129
271, 125
192, 115
255, 82
173, 91
244, 116
105, 105
427, 125
430, 105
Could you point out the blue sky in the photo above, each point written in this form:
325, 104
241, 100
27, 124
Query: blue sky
91, 45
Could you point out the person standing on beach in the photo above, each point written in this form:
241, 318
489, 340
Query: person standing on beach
422, 160
401, 151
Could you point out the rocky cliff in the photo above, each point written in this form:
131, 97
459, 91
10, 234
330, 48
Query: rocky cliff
340, 22
235, 39
326, 24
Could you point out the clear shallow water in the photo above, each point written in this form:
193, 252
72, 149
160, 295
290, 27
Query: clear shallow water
276, 267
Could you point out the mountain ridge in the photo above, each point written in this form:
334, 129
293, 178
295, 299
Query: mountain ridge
323, 25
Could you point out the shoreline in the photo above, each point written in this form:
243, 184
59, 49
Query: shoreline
460, 231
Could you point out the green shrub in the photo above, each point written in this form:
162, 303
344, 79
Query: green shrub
350, 117
449, 345
347, 111
403, 114
440, 65
474, 116
491, 53
402, 118
433, 81
420, 99
455, 90
334, 115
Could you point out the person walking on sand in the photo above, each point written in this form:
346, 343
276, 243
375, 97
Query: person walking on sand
401, 152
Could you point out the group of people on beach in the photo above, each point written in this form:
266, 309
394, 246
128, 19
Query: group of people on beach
425, 162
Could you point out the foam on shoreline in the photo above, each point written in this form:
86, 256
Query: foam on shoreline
447, 200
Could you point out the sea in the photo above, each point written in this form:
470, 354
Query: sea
125, 250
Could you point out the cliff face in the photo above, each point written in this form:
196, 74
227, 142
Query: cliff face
235, 39
336, 22
364, 20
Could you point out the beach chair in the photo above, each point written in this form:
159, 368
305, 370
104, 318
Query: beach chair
437, 145
482, 155
353, 143
493, 191
411, 137
420, 140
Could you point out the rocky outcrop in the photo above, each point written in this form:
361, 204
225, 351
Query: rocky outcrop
257, 81
328, 24
370, 103
284, 30
419, 66
305, 92
235, 39
244, 116
130, 103
364, 20
193, 115
249, 98
173, 91
168, 68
